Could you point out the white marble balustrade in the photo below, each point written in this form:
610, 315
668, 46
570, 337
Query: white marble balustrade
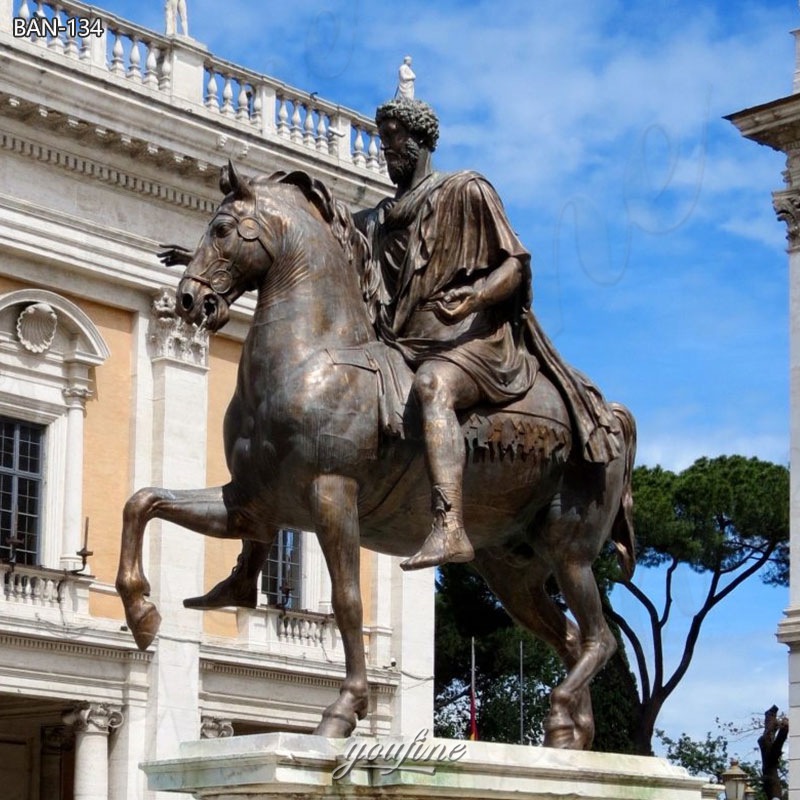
179, 69
41, 590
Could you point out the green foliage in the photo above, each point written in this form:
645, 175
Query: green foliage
466, 608
715, 515
726, 517
707, 758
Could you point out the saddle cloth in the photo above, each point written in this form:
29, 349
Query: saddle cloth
507, 430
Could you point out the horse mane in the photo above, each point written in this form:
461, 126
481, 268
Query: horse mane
337, 215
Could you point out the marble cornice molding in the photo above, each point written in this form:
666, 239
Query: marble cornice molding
69, 647
102, 173
289, 676
789, 628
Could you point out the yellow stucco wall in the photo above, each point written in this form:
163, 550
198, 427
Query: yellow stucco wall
106, 450
223, 361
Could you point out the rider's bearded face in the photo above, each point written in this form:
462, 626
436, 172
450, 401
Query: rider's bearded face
400, 150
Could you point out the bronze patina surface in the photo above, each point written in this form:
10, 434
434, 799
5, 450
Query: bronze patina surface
393, 366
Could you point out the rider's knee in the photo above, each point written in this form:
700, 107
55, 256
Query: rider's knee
429, 386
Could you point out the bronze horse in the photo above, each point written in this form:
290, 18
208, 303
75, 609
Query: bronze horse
304, 450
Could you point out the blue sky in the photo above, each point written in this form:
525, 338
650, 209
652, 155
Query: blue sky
659, 266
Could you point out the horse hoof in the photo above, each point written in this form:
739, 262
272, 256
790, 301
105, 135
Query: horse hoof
561, 737
336, 726
146, 627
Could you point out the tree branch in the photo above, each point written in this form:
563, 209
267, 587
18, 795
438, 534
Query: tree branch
636, 644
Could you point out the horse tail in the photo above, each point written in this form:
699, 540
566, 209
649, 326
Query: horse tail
622, 532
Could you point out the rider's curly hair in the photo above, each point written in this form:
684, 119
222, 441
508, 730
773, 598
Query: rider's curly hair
417, 116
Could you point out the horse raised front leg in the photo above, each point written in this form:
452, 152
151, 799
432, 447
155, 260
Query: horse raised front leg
334, 503
201, 510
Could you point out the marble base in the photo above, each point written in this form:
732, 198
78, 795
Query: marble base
281, 765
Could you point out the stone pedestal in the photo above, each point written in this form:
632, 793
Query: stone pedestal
281, 765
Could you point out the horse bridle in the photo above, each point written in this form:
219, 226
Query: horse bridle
223, 269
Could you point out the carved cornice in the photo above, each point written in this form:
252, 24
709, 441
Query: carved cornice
71, 648
92, 169
170, 337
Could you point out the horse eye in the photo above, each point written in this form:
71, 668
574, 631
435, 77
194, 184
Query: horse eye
223, 230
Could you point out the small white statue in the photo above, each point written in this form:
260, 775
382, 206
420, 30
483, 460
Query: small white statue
406, 78
174, 9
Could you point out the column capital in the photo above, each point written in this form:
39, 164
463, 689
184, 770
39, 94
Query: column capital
93, 717
787, 208
215, 728
76, 396
172, 338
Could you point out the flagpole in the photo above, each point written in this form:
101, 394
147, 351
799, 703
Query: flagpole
473, 720
521, 698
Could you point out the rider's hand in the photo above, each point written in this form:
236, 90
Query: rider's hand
457, 304
174, 255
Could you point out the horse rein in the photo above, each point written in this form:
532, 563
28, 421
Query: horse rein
223, 269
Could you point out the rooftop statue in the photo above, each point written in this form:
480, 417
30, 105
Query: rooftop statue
174, 10
405, 80
394, 356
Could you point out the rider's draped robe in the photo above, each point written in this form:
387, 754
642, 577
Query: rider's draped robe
451, 230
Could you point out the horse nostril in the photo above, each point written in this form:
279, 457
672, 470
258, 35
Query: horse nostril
187, 301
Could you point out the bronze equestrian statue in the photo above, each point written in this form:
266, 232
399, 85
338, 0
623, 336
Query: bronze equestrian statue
392, 356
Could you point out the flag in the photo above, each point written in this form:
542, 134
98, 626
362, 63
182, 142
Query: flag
473, 718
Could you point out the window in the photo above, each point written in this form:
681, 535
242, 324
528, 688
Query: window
21, 473
280, 580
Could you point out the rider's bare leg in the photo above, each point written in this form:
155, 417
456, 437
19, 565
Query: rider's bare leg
442, 388
240, 588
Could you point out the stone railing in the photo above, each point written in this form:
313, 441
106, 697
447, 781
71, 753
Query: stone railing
290, 632
27, 591
178, 69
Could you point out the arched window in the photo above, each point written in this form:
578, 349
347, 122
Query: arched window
48, 347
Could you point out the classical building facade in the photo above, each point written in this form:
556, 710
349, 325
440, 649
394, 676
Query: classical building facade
777, 125
111, 143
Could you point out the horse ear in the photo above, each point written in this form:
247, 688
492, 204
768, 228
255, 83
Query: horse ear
231, 181
225, 179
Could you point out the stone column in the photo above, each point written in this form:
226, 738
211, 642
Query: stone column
179, 355
787, 207
92, 723
75, 396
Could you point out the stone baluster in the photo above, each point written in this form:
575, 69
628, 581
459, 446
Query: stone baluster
151, 65
243, 103
227, 98
41, 40
322, 134
72, 49
92, 723
56, 43
135, 61
165, 79
212, 99
258, 107
308, 128
283, 118
23, 12
358, 149
372, 154
117, 55
296, 133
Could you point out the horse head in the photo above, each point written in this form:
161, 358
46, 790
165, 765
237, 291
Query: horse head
236, 248
244, 237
